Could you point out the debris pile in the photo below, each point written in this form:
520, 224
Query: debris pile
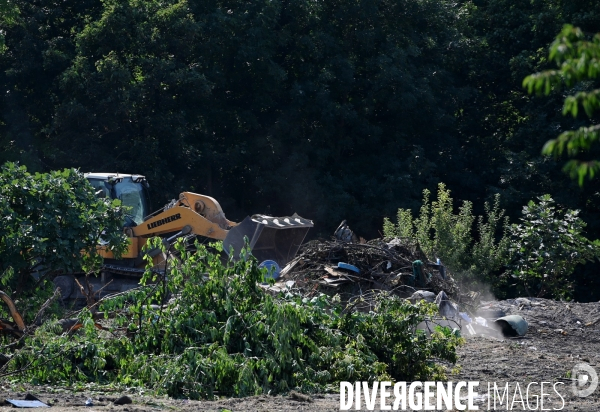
353, 269
358, 270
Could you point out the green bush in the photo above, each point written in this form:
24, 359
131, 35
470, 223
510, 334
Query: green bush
51, 222
49, 219
547, 246
442, 233
220, 333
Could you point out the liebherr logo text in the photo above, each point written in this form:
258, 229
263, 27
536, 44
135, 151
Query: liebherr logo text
161, 222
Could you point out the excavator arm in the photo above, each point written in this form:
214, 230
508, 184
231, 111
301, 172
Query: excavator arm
203, 214
269, 238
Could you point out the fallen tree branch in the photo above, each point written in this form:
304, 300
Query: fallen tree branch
13, 311
38, 318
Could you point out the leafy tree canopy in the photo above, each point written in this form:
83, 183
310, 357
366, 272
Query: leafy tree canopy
578, 59
8, 15
333, 110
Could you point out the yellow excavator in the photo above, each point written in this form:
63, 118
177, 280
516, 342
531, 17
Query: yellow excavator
272, 240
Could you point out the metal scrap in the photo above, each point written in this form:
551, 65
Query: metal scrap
513, 325
27, 404
30, 401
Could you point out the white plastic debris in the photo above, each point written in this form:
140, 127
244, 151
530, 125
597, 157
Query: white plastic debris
465, 317
523, 302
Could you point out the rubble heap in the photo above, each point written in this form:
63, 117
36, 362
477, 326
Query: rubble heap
353, 269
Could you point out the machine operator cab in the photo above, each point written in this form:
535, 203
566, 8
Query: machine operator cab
131, 190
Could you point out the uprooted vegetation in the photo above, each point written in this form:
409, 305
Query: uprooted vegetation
208, 328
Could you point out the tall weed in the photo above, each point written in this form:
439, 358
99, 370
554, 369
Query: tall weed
442, 233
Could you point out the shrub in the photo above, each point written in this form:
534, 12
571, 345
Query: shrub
220, 333
51, 222
50, 218
442, 233
547, 246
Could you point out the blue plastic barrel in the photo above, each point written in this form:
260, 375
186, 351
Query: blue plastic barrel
273, 270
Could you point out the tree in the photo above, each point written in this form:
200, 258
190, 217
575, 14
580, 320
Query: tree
211, 96
334, 110
8, 15
578, 61
53, 221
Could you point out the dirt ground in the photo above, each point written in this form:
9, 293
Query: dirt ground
560, 336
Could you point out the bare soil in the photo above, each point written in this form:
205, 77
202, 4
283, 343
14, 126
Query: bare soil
560, 335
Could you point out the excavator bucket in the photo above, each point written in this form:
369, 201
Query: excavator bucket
270, 238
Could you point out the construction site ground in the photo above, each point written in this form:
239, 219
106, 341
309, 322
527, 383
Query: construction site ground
560, 335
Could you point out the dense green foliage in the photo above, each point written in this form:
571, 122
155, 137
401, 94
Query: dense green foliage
52, 222
334, 110
579, 64
8, 13
280, 106
547, 246
222, 334
535, 258
269, 106
442, 233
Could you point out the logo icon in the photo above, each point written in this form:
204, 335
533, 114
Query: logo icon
585, 380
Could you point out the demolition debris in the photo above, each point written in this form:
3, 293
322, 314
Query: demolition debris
352, 269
